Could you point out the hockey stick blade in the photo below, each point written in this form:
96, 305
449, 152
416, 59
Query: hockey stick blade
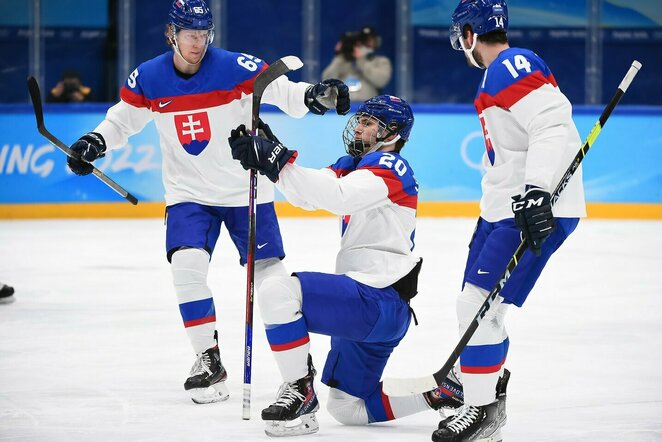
35, 96
280, 67
405, 387
276, 69
263, 79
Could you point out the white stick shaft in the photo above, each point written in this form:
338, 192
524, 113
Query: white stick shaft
407, 387
246, 411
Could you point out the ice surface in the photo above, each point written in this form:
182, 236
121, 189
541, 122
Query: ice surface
94, 349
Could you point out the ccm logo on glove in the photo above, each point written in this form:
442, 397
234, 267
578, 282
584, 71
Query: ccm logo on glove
527, 204
534, 217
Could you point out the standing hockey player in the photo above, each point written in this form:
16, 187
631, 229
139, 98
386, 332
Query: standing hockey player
196, 94
364, 306
530, 141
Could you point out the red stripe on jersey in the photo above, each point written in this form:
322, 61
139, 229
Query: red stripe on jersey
202, 101
339, 172
200, 321
387, 407
552, 80
136, 100
191, 102
513, 93
290, 345
396, 192
482, 370
336, 171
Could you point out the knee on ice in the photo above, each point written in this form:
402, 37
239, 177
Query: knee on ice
279, 299
346, 409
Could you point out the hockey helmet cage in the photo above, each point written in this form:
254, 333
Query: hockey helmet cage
394, 116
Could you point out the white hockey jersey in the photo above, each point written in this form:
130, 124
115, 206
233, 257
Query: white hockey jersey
376, 197
194, 118
530, 137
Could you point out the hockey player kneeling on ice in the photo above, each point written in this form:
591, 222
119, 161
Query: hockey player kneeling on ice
364, 306
196, 94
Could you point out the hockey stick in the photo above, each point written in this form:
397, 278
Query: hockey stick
35, 95
264, 78
405, 387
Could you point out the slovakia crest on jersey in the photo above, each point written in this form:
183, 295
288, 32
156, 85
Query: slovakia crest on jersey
193, 131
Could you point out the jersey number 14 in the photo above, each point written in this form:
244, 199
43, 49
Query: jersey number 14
521, 64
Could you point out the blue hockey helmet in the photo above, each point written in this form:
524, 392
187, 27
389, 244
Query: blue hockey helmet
393, 116
191, 14
482, 15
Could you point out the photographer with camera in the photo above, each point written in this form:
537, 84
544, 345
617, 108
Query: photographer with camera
69, 90
357, 65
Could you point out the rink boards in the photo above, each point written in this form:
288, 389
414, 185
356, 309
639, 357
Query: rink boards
622, 176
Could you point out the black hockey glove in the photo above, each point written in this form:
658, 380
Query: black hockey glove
262, 154
90, 147
264, 131
533, 215
326, 95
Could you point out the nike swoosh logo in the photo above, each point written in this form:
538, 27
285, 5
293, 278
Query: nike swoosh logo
162, 104
259, 246
482, 272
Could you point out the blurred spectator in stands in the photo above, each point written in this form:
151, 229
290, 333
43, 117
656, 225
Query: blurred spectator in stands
6, 294
69, 90
356, 63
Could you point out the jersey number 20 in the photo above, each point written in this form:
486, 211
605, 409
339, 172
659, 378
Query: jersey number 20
387, 160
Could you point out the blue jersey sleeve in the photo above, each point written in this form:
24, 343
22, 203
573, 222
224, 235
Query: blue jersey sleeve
238, 69
133, 91
344, 165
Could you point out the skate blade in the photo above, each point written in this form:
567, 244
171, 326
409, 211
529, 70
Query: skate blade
494, 437
305, 424
7, 300
215, 393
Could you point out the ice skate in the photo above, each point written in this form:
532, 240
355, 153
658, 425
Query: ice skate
476, 424
6, 294
449, 395
293, 413
206, 383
